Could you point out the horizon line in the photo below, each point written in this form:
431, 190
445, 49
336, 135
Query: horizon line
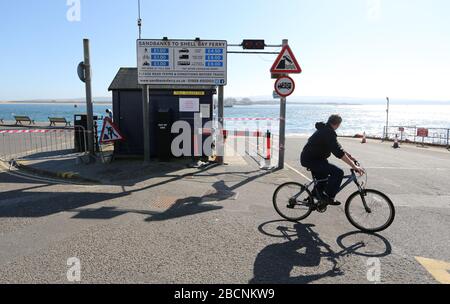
252, 98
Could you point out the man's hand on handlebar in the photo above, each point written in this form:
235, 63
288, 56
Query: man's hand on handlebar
357, 167
352, 162
359, 170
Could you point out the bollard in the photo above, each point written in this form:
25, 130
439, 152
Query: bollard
268, 156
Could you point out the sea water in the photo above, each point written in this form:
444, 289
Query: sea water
300, 120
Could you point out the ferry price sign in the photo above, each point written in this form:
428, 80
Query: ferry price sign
188, 62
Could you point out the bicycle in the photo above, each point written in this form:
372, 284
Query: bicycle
295, 202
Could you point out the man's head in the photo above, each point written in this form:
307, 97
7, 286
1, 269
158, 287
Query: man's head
107, 111
335, 121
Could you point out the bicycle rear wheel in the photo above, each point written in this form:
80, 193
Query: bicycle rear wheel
378, 217
293, 201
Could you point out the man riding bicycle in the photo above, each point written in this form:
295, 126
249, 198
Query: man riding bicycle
315, 156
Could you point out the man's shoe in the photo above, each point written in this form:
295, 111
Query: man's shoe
334, 203
331, 202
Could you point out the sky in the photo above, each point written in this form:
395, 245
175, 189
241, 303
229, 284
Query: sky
348, 48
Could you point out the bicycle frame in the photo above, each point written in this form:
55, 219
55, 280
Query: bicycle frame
348, 180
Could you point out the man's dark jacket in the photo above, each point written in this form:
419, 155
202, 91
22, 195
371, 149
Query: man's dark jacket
322, 144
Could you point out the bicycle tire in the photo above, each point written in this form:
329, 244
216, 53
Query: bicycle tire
292, 219
359, 226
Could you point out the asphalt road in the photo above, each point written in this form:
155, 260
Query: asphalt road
219, 226
416, 180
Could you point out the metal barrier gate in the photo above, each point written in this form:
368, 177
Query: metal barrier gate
40, 143
248, 136
435, 136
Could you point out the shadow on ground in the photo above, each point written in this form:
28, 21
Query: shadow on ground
25, 203
305, 249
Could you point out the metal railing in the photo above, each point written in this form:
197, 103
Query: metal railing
41, 143
436, 136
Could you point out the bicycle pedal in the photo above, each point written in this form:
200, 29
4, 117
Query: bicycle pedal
322, 209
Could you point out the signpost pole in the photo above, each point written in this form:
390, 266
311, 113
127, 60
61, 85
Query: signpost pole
146, 121
448, 138
282, 141
220, 144
387, 119
89, 107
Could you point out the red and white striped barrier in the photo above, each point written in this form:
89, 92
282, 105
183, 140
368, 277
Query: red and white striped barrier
264, 147
34, 131
268, 145
236, 133
251, 119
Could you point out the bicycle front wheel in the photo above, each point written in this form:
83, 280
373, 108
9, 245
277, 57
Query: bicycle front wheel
293, 201
376, 215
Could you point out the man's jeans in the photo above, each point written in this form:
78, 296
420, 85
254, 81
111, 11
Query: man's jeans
322, 169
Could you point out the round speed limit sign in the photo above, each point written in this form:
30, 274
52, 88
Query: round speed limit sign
284, 86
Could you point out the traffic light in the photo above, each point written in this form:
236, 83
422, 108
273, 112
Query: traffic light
253, 44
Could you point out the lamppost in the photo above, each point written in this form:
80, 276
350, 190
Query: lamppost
386, 133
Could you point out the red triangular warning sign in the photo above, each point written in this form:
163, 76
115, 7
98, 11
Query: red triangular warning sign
110, 132
286, 63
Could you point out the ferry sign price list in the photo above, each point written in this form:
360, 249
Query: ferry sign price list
214, 57
160, 57
189, 62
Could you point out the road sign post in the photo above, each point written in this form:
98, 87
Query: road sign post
285, 64
282, 141
220, 138
386, 133
89, 107
146, 121
284, 87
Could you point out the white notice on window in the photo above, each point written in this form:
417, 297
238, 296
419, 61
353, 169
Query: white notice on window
205, 109
189, 104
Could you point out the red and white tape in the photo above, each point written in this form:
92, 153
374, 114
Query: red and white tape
251, 119
33, 131
235, 133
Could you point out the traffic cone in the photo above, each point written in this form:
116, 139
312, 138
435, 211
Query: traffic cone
396, 144
364, 139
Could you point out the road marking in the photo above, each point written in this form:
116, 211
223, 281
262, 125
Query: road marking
438, 269
406, 168
298, 172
